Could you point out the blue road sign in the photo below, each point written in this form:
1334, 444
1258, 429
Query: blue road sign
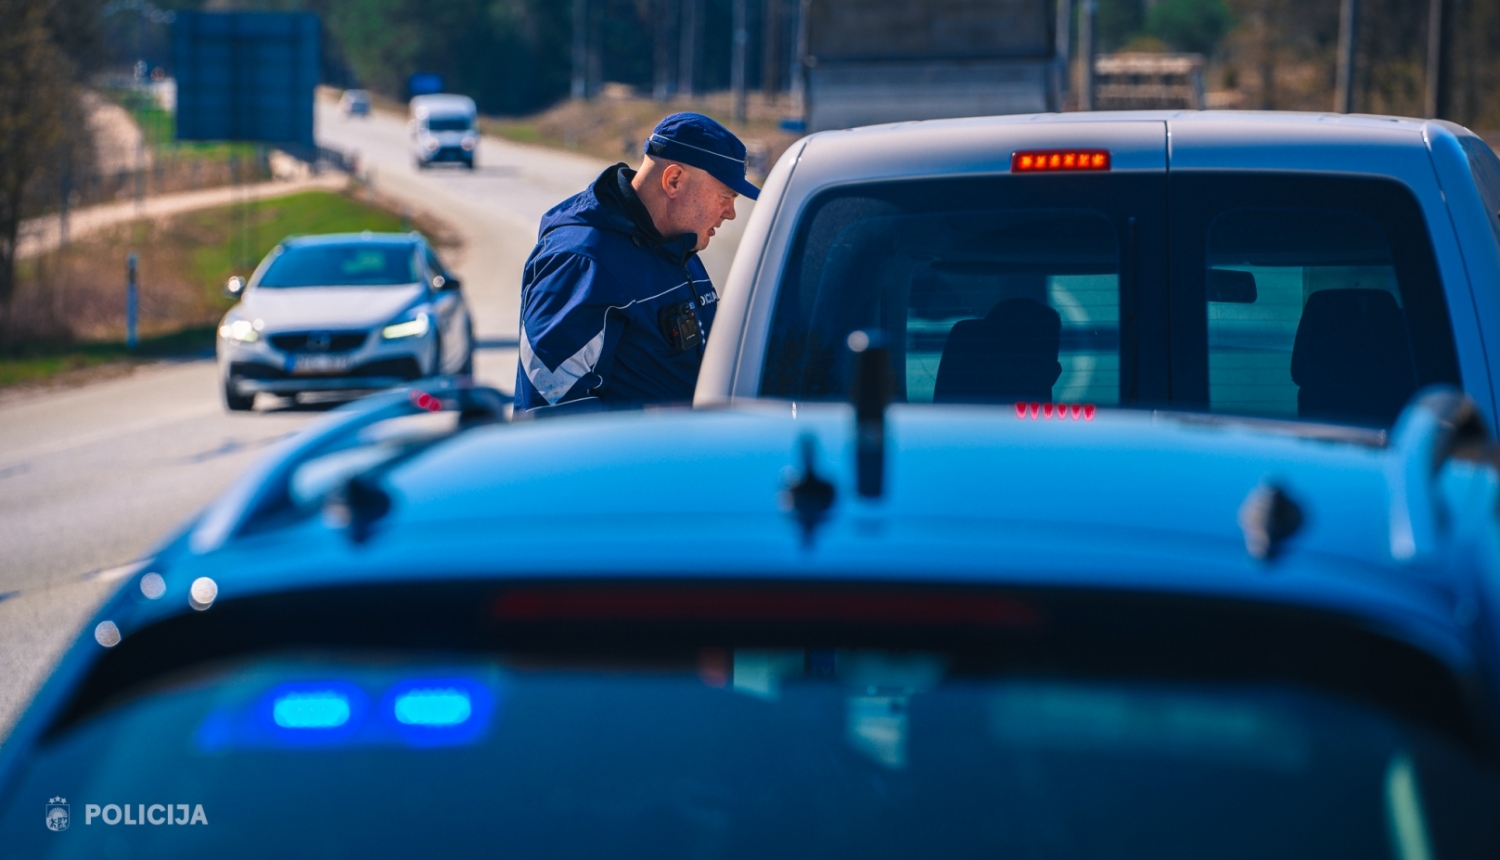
424, 84
246, 76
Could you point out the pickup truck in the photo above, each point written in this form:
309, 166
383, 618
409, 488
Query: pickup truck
1301, 266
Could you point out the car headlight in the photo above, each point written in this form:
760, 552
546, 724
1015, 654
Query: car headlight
414, 324
467, 143
245, 331
430, 144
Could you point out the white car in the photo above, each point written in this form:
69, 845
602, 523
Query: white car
343, 312
355, 103
442, 129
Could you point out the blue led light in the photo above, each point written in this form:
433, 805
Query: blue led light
436, 712
313, 709
309, 713
440, 707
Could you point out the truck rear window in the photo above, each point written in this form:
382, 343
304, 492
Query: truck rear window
991, 290
1288, 296
1321, 298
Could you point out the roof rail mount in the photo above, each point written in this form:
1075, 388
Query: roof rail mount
1438, 424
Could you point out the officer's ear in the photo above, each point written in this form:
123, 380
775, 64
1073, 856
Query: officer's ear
673, 180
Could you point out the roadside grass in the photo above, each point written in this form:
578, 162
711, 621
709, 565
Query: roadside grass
69, 310
40, 362
159, 127
268, 223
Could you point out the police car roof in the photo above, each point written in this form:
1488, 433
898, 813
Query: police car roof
1130, 500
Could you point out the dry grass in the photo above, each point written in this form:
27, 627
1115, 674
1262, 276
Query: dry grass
615, 125
69, 309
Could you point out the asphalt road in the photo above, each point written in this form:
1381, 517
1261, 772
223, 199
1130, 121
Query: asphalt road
92, 477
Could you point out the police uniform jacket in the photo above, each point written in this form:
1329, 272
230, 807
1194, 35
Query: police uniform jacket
598, 298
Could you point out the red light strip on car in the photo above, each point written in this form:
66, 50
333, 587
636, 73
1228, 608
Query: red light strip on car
1055, 411
1059, 160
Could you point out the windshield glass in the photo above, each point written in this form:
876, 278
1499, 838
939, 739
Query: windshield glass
357, 264
662, 750
448, 123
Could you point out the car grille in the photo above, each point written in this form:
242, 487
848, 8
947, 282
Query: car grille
319, 341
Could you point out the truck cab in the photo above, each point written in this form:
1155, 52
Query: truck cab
443, 130
1303, 266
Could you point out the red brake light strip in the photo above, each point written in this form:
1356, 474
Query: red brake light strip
1059, 160
1055, 411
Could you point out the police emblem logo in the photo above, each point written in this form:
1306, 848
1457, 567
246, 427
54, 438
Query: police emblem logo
57, 814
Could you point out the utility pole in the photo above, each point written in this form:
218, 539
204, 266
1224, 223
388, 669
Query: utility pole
1086, 55
1348, 46
666, 19
580, 87
1063, 48
595, 49
1436, 45
687, 54
737, 60
797, 71
770, 47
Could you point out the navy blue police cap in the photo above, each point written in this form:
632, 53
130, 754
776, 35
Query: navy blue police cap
696, 140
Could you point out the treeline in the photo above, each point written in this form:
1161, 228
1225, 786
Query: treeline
516, 56
1280, 54
47, 48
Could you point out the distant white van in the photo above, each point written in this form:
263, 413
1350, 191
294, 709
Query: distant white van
442, 129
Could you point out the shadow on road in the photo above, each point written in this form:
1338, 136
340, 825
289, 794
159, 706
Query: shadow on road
319, 403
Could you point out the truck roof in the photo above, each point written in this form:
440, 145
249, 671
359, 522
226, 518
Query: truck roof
442, 103
1138, 140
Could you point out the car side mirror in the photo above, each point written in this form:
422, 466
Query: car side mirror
441, 283
234, 287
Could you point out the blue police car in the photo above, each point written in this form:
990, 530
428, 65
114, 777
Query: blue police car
957, 631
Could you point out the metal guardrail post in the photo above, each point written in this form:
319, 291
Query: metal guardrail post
130, 301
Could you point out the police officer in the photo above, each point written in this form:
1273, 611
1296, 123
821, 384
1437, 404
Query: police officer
615, 304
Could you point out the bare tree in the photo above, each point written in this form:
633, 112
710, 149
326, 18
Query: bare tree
37, 102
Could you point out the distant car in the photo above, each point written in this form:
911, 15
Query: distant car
414, 630
355, 103
1280, 265
442, 130
343, 312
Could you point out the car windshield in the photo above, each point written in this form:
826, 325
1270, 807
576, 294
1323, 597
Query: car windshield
356, 264
570, 746
448, 123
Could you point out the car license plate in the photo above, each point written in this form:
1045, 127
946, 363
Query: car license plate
310, 364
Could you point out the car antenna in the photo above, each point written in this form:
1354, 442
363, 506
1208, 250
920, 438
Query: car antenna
870, 390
